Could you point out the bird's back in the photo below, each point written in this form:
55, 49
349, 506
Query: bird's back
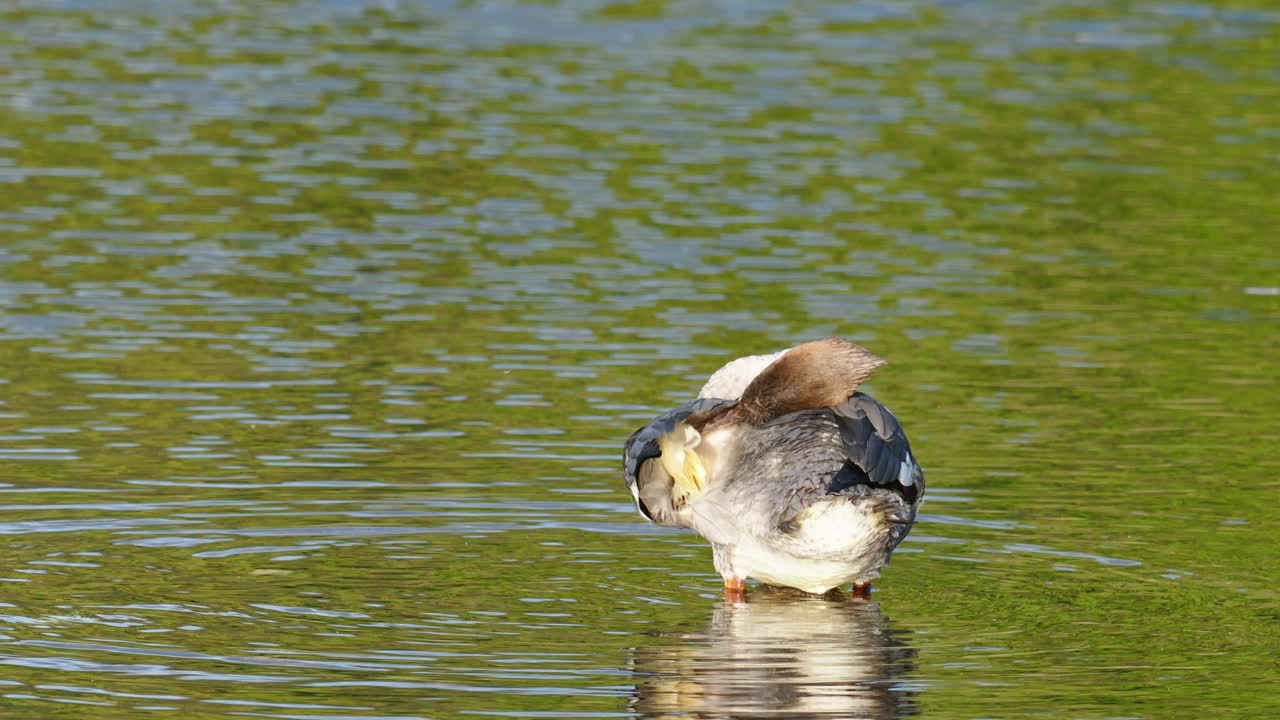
855, 452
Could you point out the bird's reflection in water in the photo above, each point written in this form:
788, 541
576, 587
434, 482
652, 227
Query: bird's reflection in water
781, 654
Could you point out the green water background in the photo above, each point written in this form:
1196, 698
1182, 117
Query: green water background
322, 323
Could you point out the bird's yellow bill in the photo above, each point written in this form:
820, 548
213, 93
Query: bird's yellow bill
680, 458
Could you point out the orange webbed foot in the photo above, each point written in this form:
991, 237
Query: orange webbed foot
735, 589
862, 590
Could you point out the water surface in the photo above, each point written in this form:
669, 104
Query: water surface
322, 324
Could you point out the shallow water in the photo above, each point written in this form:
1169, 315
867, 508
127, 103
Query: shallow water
322, 323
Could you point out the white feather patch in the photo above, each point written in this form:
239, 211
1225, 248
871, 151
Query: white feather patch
837, 524
838, 530
907, 473
730, 381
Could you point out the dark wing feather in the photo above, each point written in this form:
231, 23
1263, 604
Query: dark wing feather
879, 454
649, 484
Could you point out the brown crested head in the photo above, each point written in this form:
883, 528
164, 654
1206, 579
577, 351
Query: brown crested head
814, 375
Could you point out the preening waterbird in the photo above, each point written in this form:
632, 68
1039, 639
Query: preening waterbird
795, 477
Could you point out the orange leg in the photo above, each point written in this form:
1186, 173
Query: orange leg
862, 590
735, 589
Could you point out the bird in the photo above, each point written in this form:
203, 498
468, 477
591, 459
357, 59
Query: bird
795, 477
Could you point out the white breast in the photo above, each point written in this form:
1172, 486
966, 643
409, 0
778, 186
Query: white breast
836, 528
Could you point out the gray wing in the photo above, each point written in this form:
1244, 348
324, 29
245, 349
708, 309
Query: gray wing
878, 450
855, 449
649, 484
881, 464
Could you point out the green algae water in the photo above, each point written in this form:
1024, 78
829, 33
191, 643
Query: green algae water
322, 325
